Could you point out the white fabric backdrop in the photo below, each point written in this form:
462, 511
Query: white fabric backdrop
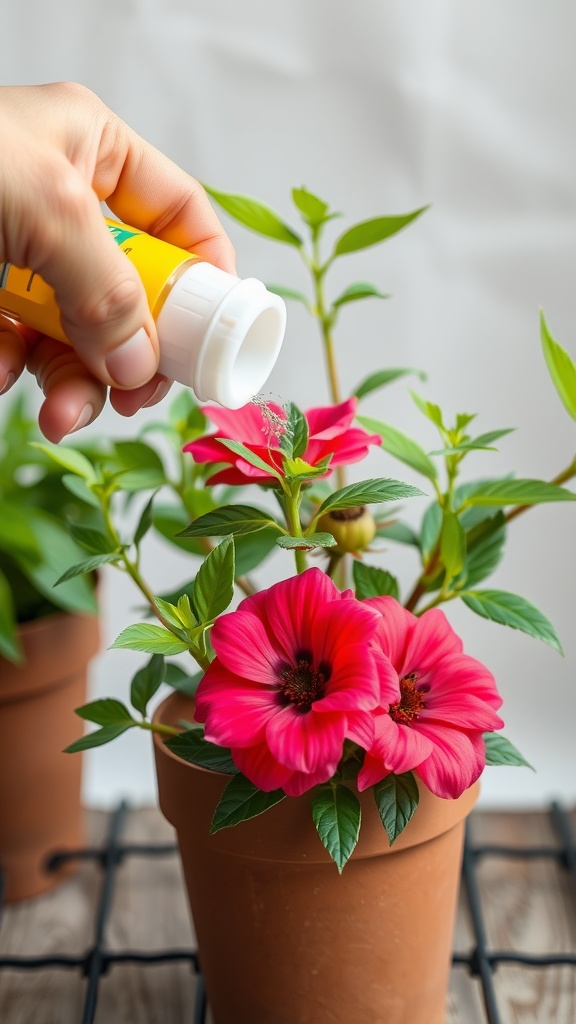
380, 107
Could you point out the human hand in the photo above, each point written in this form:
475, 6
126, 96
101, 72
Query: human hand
62, 153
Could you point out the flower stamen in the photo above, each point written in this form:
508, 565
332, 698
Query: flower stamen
303, 683
411, 701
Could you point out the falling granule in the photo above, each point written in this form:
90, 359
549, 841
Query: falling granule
273, 425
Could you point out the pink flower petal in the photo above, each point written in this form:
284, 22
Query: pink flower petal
234, 715
394, 630
454, 763
242, 644
360, 728
305, 741
431, 640
301, 782
459, 673
327, 421
371, 772
258, 765
400, 747
292, 606
246, 424
354, 682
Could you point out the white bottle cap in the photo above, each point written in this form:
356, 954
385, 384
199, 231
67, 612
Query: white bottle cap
220, 335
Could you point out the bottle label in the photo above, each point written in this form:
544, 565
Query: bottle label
25, 296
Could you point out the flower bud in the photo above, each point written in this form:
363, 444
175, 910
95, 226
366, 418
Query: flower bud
352, 528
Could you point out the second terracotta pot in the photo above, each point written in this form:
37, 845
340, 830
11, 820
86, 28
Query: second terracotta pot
40, 798
283, 938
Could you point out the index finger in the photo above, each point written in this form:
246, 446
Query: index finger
149, 191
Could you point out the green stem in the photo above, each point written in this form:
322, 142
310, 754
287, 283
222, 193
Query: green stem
567, 474
325, 324
166, 730
292, 496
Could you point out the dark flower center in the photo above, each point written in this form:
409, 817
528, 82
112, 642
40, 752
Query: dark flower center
303, 683
411, 701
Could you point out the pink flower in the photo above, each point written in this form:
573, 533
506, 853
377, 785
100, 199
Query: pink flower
293, 678
330, 433
436, 702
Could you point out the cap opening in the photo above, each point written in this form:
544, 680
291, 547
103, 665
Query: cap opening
257, 354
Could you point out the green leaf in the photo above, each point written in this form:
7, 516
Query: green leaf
145, 521
452, 544
514, 611
9, 644
516, 492
240, 801
88, 565
255, 215
399, 532
336, 813
151, 639
312, 540
180, 680
383, 377
185, 415
69, 458
294, 440
298, 469
79, 488
368, 492
430, 529
171, 616
90, 539
240, 449
289, 293
359, 290
170, 521
141, 467
229, 519
400, 446
58, 550
312, 208
105, 712
252, 549
16, 535
396, 798
146, 682
370, 581
430, 410
485, 544
373, 231
192, 747
138, 455
499, 750
560, 367
185, 612
214, 583
482, 443
98, 737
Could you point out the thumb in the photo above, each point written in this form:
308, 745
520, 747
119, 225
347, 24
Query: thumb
103, 305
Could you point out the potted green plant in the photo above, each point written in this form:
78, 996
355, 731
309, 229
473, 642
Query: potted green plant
47, 638
335, 719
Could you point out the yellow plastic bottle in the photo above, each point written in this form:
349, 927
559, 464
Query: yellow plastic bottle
218, 334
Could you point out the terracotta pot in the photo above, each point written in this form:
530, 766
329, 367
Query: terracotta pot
40, 803
283, 938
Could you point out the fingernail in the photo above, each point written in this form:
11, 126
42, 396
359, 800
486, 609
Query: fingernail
83, 419
10, 378
158, 394
134, 362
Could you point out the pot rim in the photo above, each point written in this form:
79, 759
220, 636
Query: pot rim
434, 815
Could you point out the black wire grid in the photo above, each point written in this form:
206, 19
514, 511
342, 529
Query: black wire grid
481, 961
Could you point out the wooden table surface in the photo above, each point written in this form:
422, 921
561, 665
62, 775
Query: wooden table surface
529, 906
